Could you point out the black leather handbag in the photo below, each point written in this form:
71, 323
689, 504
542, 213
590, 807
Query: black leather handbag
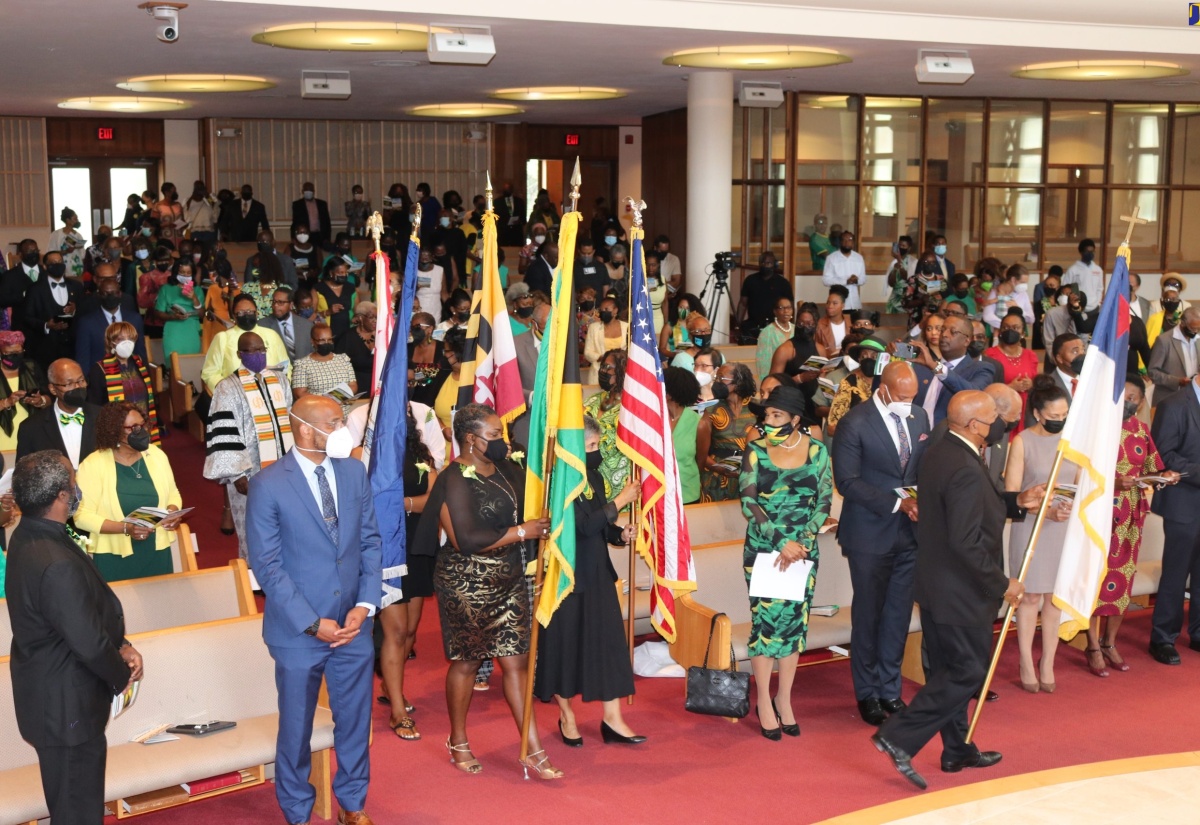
718, 692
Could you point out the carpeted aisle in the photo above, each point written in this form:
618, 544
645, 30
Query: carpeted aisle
701, 770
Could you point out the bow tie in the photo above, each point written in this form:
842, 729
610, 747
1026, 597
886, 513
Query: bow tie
76, 418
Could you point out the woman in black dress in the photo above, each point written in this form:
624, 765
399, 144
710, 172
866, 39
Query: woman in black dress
582, 652
479, 576
399, 620
358, 342
792, 354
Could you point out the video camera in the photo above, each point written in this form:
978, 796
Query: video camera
723, 263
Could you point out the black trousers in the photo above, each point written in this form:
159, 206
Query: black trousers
1180, 559
73, 781
883, 601
958, 662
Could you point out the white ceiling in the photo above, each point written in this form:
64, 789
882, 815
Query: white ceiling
616, 43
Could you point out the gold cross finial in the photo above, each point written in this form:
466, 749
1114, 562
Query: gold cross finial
1133, 220
375, 228
576, 182
636, 207
487, 190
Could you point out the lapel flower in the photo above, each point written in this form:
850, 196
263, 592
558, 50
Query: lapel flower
469, 471
518, 456
422, 469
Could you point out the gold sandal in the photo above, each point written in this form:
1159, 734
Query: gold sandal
528, 765
406, 724
471, 765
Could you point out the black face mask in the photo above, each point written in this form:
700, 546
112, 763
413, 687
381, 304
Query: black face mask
594, 460
1010, 426
162, 266
31, 258
1170, 306
847, 248
497, 450
110, 302
867, 366
14, 361
961, 293
1187, 333
1130, 409
587, 306
720, 390
222, 254
1077, 366
701, 340
418, 335
76, 397
605, 316
139, 440
605, 381
1010, 336
324, 348
264, 248
1054, 427
996, 431
524, 312
462, 317
805, 332
975, 349
930, 268
247, 322
56, 270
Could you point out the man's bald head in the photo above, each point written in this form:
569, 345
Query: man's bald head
104, 270
900, 380
970, 405
251, 342
314, 418
1007, 400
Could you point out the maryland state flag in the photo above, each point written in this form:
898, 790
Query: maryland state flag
557, 412
489, 373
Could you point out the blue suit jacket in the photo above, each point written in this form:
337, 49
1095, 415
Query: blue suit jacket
89, 334
1176, 422
968, 375
302, 574
866, 470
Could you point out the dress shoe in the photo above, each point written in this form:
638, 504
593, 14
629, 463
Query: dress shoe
792, 729
774, 734
900, 759
354, 818
992, 696
611, 737
1194, 644
577, 742
1164, 653
983, 759
893, 705
871, 711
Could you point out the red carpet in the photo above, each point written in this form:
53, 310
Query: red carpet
700, 770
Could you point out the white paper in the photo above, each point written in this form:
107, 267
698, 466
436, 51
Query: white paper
6, 481
768, 582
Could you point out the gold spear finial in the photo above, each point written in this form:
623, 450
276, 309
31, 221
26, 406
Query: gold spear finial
576, 182
375, 229
415, 234
487, 190
636, 207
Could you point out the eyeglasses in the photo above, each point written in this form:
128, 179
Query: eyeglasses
282, 302
134, 427
74, 382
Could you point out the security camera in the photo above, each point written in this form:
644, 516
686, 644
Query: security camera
168, 18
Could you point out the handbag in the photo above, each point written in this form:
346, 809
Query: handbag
718, 692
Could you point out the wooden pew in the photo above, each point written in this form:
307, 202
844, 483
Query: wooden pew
186, 384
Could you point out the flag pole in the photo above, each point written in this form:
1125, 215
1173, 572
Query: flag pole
635, 516
1029, 548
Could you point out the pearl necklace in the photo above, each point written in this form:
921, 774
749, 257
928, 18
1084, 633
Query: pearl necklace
788, 330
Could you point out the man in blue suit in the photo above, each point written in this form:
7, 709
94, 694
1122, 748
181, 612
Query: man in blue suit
315, 549
878, 449
955, 372
96, 314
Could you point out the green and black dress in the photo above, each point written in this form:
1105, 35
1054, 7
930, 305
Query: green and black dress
783, 505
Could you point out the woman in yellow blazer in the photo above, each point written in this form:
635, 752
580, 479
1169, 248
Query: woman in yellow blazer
124, 473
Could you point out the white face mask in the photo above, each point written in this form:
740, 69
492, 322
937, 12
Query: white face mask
358, 196
123, 349
539, 239
850, 363
309, 195
302, 237
1062, 300
445, 222
1022, 288
703, 378
900, 408
338, 443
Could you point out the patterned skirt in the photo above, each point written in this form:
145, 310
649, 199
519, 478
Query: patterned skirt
778, 627
483, 603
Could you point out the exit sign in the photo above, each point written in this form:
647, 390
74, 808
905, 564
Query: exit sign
571, 139
104, 133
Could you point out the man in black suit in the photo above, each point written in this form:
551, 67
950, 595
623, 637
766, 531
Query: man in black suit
28, 270
246, 216
48, 334
878, 449
960, 582
295, 330
108, 306
1176, 433
540, 275
69, 652
69, 424
311, 211
954, 372
510, 217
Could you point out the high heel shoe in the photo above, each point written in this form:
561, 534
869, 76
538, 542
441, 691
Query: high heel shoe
792, 729
611, 737
1111, 658
471, 765
1101, 671
569, 742
528, 764
1047, 687
774, 734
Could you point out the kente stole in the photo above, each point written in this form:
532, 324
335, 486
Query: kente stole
115, 388
268, 407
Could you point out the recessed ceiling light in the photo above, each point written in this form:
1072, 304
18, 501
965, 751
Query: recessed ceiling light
347, 37
465, 110
196, 83
124, 104
756, 58
558, 93
1100, 70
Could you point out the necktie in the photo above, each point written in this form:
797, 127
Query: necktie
112, 319
1074, 384
328, 510
289, 340
76, 418
245, 208
905, 447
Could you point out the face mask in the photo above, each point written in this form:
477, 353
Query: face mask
605, 316
806, 332
184, 280
1130, 409
1087, 257
307, 312
110, 302
1022, 288
309, 195
358, 196
930, 268
445, 222
302, 237
900, 408
147, 231
14, 361
1170, 306
587, 306
995, 431
338, 443
418, 335
605, 381
31, 258
720, 390
868, 366
338, 279
610, 240
1062, 300
247, 196
222, 254
76, 397
73, 502
247, 322
123, 349
776, 435
256, 362
163, 266
264, 248
850, 363
56, 270
196, 257
539, 239
113, 254
961, 293
1010, 336
703, 378
846, 248
497, 450
986, 286
701, 340
1077, 365
975, 349
594, 460
1054, 427
939, 250
682, 313
139, 440
1187, 333
524, 312
462, 317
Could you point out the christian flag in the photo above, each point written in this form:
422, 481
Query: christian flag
1090, 438
489, 373
644, 435
556, 410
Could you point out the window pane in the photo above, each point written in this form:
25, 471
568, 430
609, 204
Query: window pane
123, 182
754, 146
1015, 142
736, 205
739, 150
778, 136
1076, 154
887, 213
954, 213
753, 242
837, 204
1183, 242
826, 137
954, 150
1070, 216
1139, 143
1012, 224
72, 187
1144, 245
892, 138
1185, 150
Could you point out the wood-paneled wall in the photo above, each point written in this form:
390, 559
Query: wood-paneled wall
76, 137
516, 143
24, 176
664, 178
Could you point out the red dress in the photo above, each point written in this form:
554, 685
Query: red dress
1024, 365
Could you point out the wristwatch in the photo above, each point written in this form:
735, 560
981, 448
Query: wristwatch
312, 631
521, 531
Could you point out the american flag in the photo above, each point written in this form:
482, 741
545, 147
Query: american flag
644, 435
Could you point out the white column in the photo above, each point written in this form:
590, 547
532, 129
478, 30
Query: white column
709, 172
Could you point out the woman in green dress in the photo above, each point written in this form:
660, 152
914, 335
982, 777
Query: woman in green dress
721, 433
178, 307
773, 334
786, 488
605, 406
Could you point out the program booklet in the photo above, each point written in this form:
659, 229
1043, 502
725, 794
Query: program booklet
1065, 494
122, 701
152, 516
343, 394
906, 492
1143, 481
816, 363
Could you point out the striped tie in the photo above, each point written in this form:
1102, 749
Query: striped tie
328, 509
905, 448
